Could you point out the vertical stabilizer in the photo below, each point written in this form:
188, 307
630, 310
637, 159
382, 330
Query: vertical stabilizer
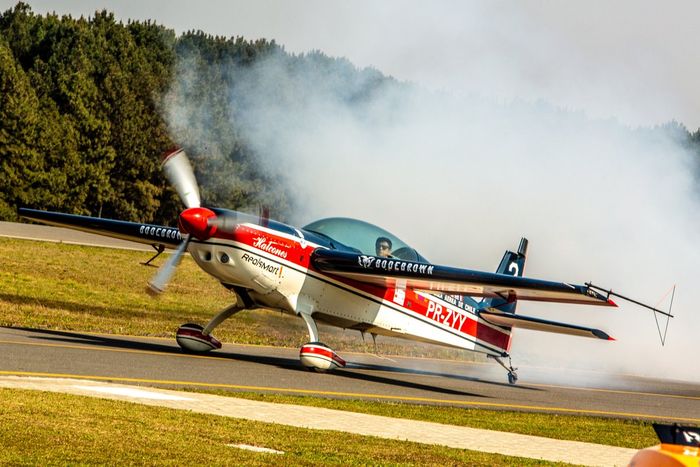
512, 264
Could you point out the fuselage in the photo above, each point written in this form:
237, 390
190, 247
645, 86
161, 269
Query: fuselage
274, 263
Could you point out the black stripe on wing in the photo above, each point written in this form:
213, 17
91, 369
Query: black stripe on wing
142, 233
445, 279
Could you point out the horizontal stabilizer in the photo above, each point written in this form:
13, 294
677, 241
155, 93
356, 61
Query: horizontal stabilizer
134, 231
538, 324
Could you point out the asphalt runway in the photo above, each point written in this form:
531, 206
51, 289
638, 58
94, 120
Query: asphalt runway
60, 235
159, 362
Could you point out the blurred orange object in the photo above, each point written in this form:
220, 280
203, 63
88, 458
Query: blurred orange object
680, 447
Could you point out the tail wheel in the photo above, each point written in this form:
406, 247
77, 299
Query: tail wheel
512, 377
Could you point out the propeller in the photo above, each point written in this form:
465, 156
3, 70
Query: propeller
264, 215
179, 173
157, 285
192, 221
195, 221
227, 221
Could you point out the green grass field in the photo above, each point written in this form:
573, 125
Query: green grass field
41, 428
78, 288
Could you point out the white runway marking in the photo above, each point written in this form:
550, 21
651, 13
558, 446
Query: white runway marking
317, 418
248, 447
131, 392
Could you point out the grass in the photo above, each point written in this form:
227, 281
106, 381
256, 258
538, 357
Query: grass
81, 288
41, 428
600, 430
89, 289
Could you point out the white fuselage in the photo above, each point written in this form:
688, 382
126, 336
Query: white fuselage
276, 270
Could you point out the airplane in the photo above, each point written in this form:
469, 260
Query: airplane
343, 272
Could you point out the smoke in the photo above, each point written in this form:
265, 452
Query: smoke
463, 178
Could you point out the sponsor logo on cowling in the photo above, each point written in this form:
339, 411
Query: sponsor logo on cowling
270, 246
160, 232
259, 262
371, 262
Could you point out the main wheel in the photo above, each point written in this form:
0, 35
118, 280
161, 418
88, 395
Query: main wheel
319, 357
190, 338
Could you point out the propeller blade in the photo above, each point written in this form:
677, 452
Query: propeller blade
228, 221
225, 222
157, 285
264, 215
179, 173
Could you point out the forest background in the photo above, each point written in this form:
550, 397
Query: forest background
84, 106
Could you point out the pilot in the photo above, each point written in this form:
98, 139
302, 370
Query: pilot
383, 247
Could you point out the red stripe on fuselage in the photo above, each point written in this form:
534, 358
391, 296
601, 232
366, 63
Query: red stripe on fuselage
275, 245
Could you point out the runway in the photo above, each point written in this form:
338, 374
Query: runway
160, 363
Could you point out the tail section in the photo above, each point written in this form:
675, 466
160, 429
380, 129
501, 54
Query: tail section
512, 264
501, 311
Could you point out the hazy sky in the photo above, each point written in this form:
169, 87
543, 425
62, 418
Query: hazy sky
635, 61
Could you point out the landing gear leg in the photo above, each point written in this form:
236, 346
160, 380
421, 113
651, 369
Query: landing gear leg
192, 337
314, 354
160, 248
512, 375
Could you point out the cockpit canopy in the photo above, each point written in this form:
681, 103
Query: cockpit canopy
359, 236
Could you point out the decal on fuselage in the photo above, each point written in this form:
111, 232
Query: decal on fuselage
455, 301
368, 262
261, 263
445, 315
271, 246
160, 232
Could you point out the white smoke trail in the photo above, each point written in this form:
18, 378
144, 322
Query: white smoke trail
462, 179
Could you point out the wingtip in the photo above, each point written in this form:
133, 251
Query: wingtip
611, 338
611, 302
602, 335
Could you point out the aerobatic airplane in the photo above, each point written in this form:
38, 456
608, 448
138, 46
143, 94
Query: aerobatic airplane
343, 272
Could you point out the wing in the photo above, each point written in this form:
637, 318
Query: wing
444, 279
134, 231
539, 324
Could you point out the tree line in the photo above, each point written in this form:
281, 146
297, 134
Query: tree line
82, 126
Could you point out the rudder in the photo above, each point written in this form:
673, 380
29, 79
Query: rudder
512, 264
